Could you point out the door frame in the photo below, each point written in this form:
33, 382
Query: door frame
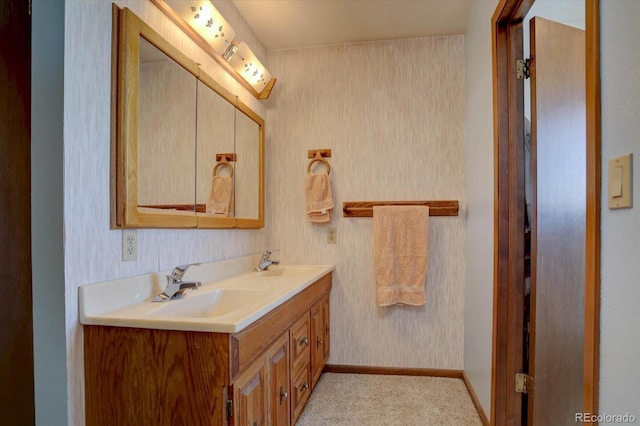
17, 399
509, 210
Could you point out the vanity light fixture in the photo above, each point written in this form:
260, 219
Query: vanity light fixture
205, 19
245, 63
201, 21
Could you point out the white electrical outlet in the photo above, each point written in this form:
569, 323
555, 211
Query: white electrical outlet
129, 245
332, 235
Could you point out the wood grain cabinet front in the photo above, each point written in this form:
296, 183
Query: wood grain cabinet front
259, 376
300, 340
280, 381
320, 338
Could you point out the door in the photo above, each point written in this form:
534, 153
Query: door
16, 323
558, 149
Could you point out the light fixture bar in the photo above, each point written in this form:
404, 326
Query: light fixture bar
203, 17
244, 61
202, 22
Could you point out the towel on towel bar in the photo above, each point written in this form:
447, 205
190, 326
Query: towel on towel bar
401, 249
221, 196
319, 202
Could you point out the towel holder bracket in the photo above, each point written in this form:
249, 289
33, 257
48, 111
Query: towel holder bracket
365, 208
231, 156
312, 153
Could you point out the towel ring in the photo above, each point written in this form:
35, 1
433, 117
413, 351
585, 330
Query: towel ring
319, 158
223, 163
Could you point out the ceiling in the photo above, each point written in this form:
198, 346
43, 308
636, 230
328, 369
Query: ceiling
285, 24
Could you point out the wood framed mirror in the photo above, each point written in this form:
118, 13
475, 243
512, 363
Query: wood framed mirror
186, 153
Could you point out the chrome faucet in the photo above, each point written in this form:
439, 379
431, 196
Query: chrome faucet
175, 286
265, 262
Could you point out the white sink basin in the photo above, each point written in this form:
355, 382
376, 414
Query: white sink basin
225, 303
216, 303
285, 271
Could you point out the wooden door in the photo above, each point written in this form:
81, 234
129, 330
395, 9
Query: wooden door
279, 382
16, 324
558, 222
250, 396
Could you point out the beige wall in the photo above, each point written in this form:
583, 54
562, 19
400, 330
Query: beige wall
620, 292
92, 251
392, 112
478, 312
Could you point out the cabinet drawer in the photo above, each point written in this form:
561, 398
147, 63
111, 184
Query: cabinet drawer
300, 341
300, 391
247, 344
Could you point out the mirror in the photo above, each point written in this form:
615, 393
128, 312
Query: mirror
215, 151
163, 129
186, 153
249, 183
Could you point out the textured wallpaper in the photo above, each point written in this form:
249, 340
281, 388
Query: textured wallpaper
93, 251
392, 113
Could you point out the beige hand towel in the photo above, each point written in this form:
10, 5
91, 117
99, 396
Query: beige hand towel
401, 249
221, 196
319, 202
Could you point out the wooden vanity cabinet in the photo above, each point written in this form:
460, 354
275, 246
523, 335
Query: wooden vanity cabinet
259, 376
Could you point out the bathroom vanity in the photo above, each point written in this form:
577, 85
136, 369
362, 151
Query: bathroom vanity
197, 367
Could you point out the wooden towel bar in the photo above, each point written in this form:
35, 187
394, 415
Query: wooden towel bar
365, 208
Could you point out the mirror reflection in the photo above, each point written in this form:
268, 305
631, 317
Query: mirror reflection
247, 176
215, 178
166, 131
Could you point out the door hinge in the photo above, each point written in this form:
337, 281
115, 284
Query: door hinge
30, 7
229, 408
229, 404
523, 69
524, 383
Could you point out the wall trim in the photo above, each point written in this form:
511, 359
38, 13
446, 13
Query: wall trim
392, 371
474, 398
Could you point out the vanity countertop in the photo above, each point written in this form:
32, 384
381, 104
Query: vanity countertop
224, 305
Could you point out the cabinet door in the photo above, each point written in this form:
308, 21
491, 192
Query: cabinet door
326, 328
320, 337
317, 341
278, 361
250, 396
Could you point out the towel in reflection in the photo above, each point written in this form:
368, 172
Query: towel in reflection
221, 196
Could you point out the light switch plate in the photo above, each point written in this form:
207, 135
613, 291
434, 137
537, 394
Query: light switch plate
620, 191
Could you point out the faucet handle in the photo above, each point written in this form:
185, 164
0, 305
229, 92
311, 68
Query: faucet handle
179, 271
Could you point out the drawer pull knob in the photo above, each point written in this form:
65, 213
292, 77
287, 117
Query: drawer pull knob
304, 341
304, 386
319, 342
283, 395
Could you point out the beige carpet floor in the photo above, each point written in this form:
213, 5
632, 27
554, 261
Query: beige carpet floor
363, 399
